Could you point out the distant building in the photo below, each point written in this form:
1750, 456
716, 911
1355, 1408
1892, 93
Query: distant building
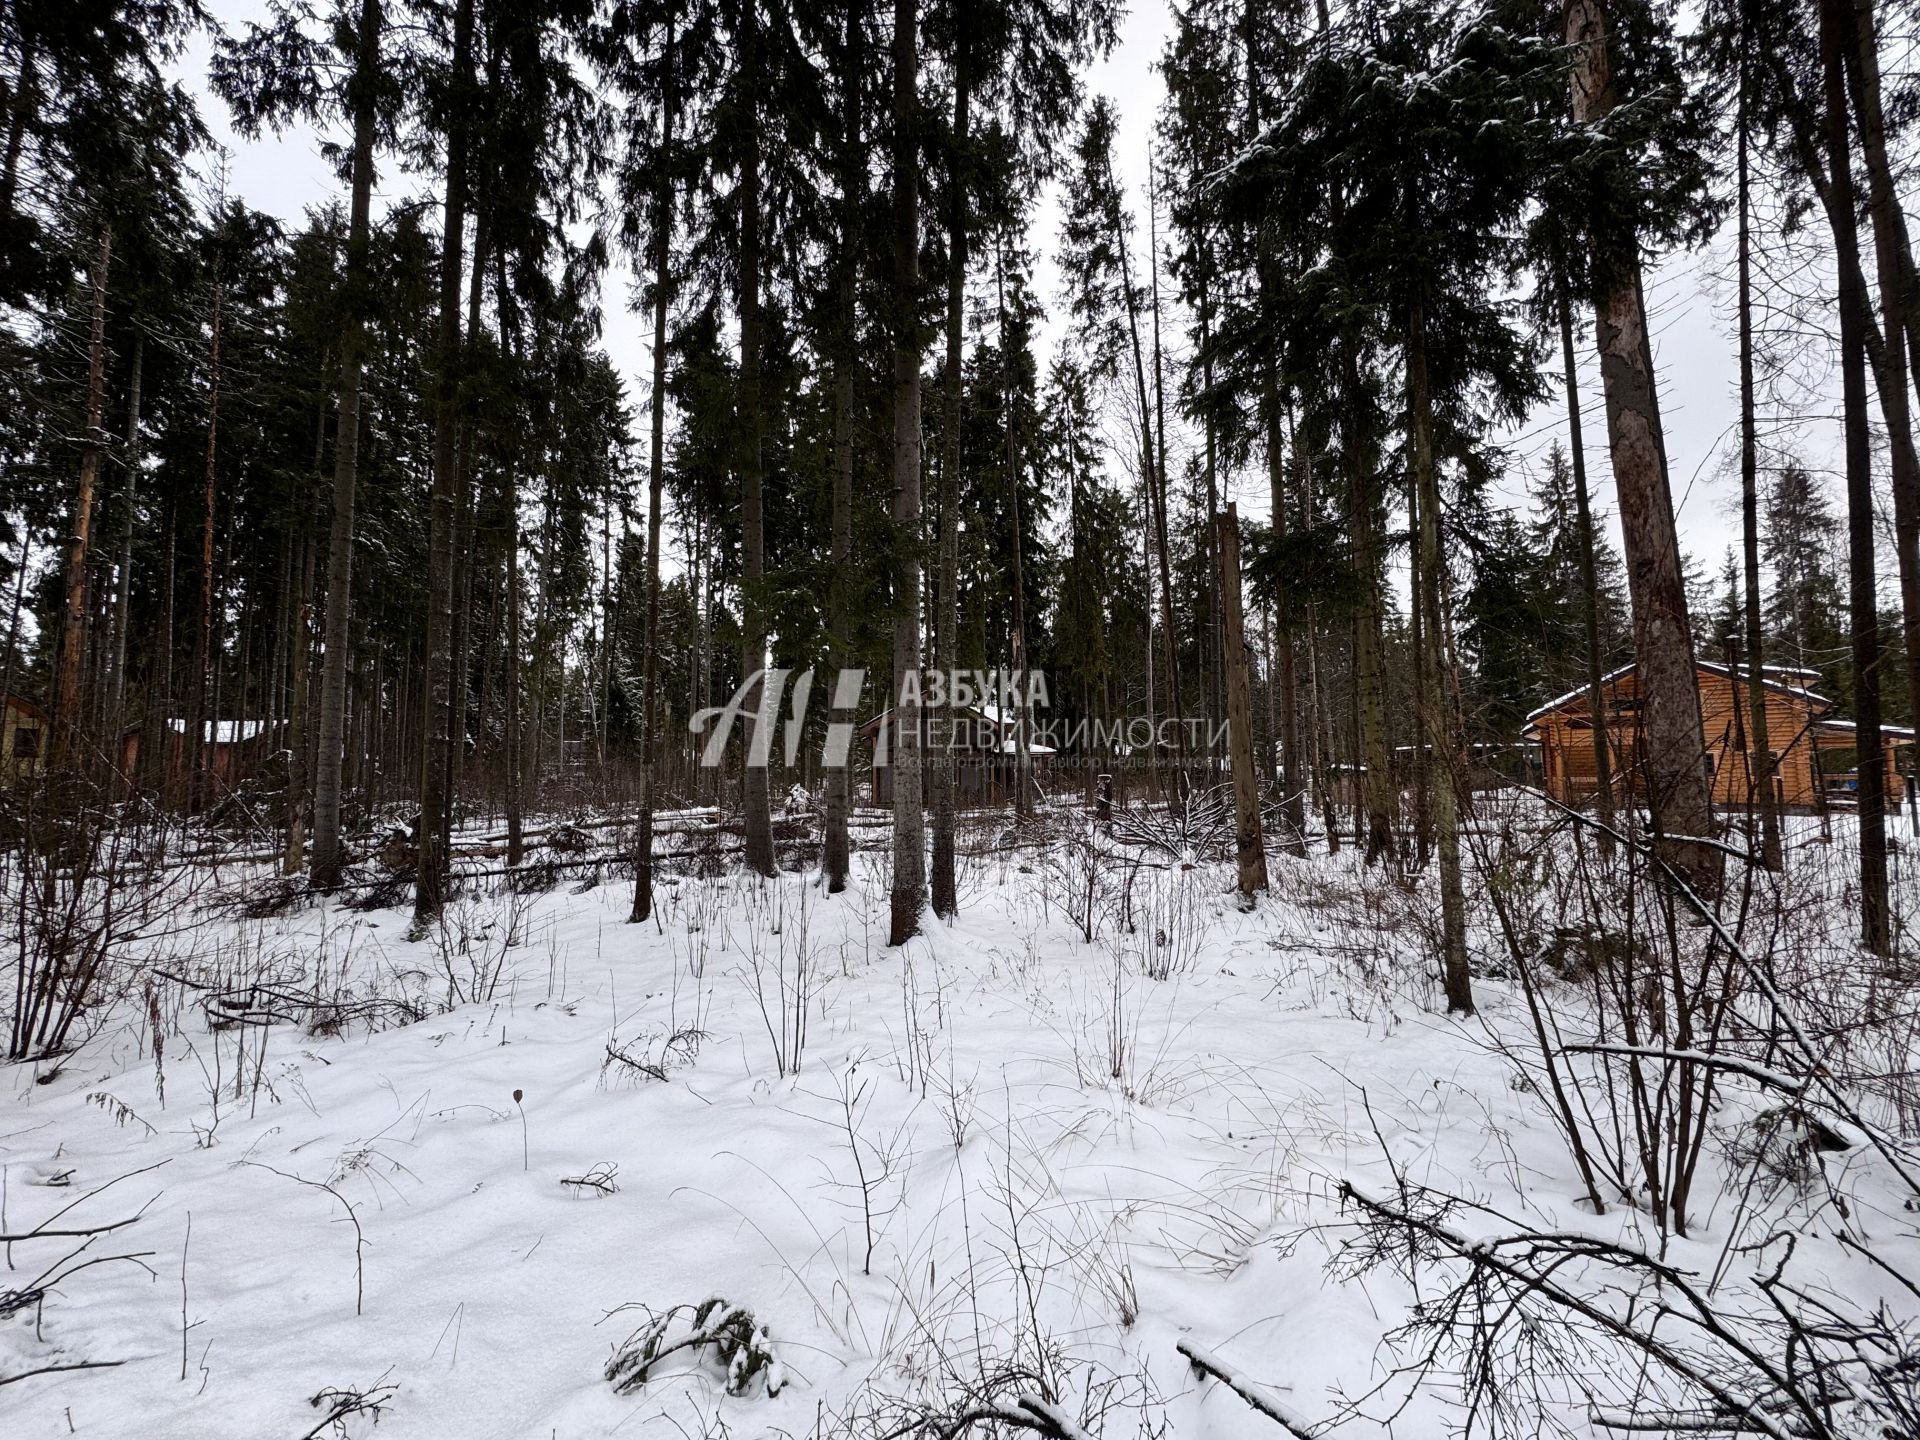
23, 737
236, 749
1812, 747
985, 754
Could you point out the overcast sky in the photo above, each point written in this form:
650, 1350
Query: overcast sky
1693, 351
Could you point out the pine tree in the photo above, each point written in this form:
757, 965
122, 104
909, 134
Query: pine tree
270, 77
1620, 221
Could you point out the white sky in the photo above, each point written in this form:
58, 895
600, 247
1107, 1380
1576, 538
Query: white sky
1694, 354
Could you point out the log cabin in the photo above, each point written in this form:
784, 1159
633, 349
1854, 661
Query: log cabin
1812, 747
235, 750
23, 737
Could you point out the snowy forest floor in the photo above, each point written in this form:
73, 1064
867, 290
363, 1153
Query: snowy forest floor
1007, 1160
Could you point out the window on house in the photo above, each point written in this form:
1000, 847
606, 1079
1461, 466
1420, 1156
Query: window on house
26, 743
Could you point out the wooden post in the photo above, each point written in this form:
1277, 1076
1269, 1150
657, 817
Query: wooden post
1250, 844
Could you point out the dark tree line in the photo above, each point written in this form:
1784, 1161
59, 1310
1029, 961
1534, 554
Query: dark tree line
364, 484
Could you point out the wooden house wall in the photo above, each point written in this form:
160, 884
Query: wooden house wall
14, 759
1566, 741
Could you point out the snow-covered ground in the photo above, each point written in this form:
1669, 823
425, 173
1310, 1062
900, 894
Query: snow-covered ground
1001, 1154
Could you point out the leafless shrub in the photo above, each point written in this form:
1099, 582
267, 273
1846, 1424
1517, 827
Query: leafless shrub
880, 1164
377, 890
266, 898
473, 949
1162, 922
342, 1405
72, 1241
1008, 1398
637, 1061
1626, 1003
1527, 1321
86, 901
781, 968
1194, 827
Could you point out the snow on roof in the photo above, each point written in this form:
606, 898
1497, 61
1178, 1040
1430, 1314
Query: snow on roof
225, 732
1780, 677
1574, 694
1846, 727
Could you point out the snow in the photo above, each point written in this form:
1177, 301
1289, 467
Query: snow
1790, 678
224, 732
1000, 1145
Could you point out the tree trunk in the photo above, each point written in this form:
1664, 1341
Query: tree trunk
123, 592
1440, 728
297, 718
1898, 305
1287, 702
1419, 756
1249, 844
1155, 484
1589, 573
1869, 754
753, 537
1376, 798
1673, 759
656, 492
20, 106
330, 744
940, 772
200, 703
516, 739
14, 613
461, 580
1159, 468
909, 891
1760, 762
1023, 721
155, 750
73, 612
429, 893
836, 859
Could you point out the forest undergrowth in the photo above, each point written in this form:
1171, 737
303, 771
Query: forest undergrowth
1109, 1155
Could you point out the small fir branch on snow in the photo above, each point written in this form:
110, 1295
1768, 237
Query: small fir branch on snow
742, 1344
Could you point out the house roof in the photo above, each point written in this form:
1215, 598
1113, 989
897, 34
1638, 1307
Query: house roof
227, 732
1837, 726
1774, 677
26, 706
